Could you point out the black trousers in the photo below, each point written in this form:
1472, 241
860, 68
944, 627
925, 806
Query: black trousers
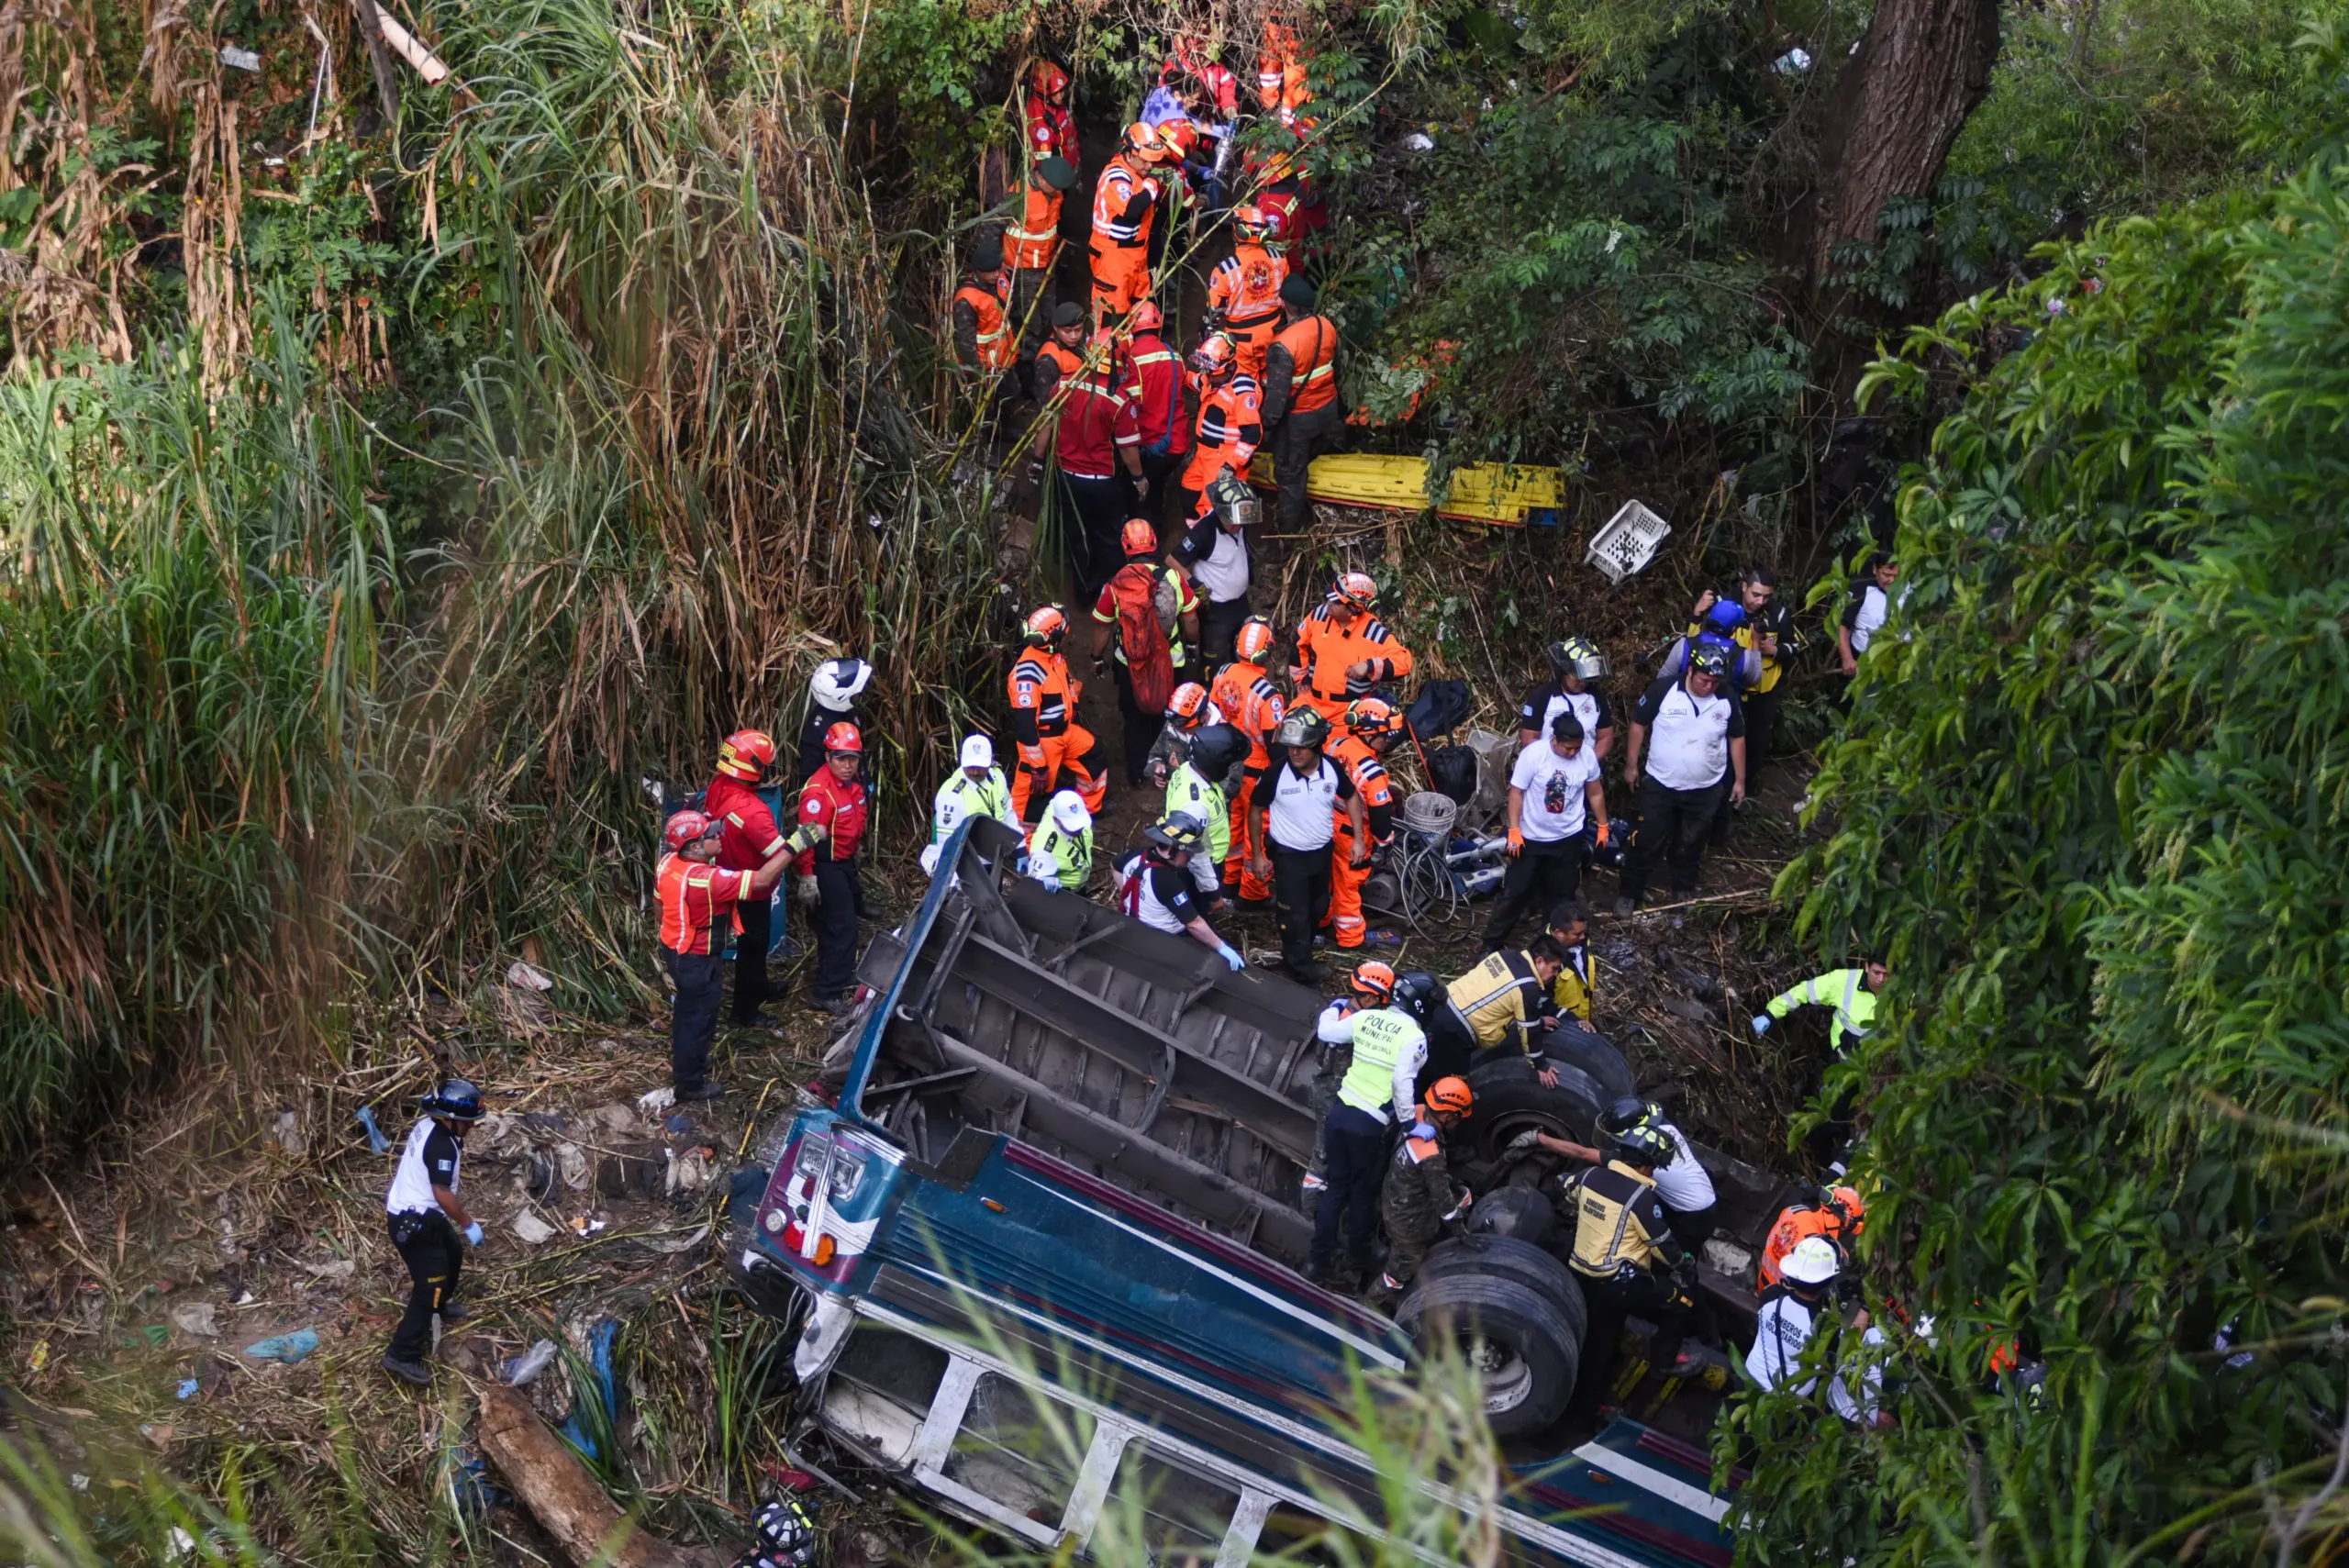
1301, 892
434, 1254
1611, 1301
835, 923
1093, 513
1540, 876
1355, 1168
1674, 826
700, 978
1141, 729
1220, 623
1694, 1227
1296, 441
1451, 1045
1161, 469
1761, 724
751, 957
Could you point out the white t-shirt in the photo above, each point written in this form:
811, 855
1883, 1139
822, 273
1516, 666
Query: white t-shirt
1683, 1184
1299, 804
1874, 607
1781, 1330
1223, 576
1553, 807
430, 1160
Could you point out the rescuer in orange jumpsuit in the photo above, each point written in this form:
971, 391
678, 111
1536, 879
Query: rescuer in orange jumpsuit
1245, 291
1343, 649
1372, 726
1230, 427
1043, 721
1243, 691
1125, 201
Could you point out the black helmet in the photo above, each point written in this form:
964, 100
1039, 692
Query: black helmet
1639, 1144
1303, 728
456, 1099
1576, 656
785, 1531
1624, 1114
1176, 831
1214, 747
1235, 502
1711, 662
1415, 991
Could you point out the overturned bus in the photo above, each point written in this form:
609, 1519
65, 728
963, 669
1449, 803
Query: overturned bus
1060, 1189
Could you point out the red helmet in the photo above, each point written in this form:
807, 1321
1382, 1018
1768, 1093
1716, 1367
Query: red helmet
1140, 537
843, 736
1215, 357
746, 754
1047, 78
686, 828
1180, 138
1145, 318
1255, 639
1450, 1095
1254, 223
1375, 981
1045, 626
1190, 699
1356, 590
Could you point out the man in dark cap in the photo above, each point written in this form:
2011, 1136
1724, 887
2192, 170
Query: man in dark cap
986, 341
1032, 243
1301, 409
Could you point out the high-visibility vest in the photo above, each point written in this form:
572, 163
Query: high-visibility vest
1035, 240
1381, 1039
1073, 853
1845, 991
1188, 791
1312, 346
996, 347
1609, 1231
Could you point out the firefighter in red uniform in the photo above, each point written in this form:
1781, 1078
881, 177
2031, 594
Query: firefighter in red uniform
1372, 726
1230, 427
1245, 291
1051, 129
1095, 434
1043, 722
1244, 692
1343, 649
695, 894
1163, 407
750, 836
835, 801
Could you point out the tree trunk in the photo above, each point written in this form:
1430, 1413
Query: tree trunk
564, 1498
1898, 107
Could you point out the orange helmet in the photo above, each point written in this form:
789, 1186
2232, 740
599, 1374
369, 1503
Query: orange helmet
1215, 357
746, 754
1450, 1095
1139, 536
1845, 1201
1356, 590
1254, 639
1143, 139
1189, 701
1374, 980
1371, 718
843, 736
1048, 79
1254, 223
1180, 138
1145, 318
1044, 627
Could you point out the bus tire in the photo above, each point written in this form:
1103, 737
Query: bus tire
1521, 1260
1526, 1349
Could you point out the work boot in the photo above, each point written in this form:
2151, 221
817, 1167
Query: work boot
831, 1006
415, 1373
1311, 972
706, 1090
453, 1313
1623, 908
1334, 1277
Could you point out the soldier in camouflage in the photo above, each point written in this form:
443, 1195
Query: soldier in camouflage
1421, 1194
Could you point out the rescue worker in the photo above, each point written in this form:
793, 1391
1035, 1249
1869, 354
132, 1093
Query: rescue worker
832, 694
1301, 407
1553, 787
695, 892
1372, 984
788, 1537
1245, 291
1031, 245
1094, 433
1851, 995
1292, 810
1376, 1052
1213, 547
1420, 1197
1188, 710
835, 801
1682, 1183
1161, 405
1499, 1010
748, 838
1574, 663
1060, 852
983, 340
1627, 1261
1575, 990
1699, 749
1343, 648
1865, 609
1051, 129
1244, 691
1280, 69
1155, 886
1836, 1219
1793, 1314
1769, 630
1043, 720
1126, 196
976, 788
427, 1220
1202, 759
1230, 427
1372, 726
1144, 593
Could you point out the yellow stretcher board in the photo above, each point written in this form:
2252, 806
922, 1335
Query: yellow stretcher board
1505, 495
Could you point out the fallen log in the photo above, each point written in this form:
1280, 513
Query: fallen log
566, 1501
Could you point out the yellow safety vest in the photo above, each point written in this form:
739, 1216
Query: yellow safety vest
1073, 855
1189, 793
1607, 1233
1382, 1039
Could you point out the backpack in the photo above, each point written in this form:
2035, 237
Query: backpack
1453, 771
1440, 707
1143, 625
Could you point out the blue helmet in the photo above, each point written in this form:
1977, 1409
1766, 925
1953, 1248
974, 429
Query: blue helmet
1725, 617
456, 1099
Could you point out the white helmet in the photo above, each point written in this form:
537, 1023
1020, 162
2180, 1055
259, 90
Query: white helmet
930, 860
838, 682
1813, 1261
1069, 814
978, 751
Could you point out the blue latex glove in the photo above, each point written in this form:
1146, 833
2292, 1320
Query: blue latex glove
1423, 1130
1761, 1023
1231, 956
473, 1233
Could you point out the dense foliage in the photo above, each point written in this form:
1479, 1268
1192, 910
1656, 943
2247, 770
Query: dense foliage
2092, 800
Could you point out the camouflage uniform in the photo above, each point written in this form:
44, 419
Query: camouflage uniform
1418, 1193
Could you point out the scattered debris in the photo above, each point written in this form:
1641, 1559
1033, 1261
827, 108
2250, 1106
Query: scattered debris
377, 1142
527, 977
287, 1132
189, 1388
519, 1372
654, 1102
196, 1319
333, 1270
287, 1348
239, 59
531, 1228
